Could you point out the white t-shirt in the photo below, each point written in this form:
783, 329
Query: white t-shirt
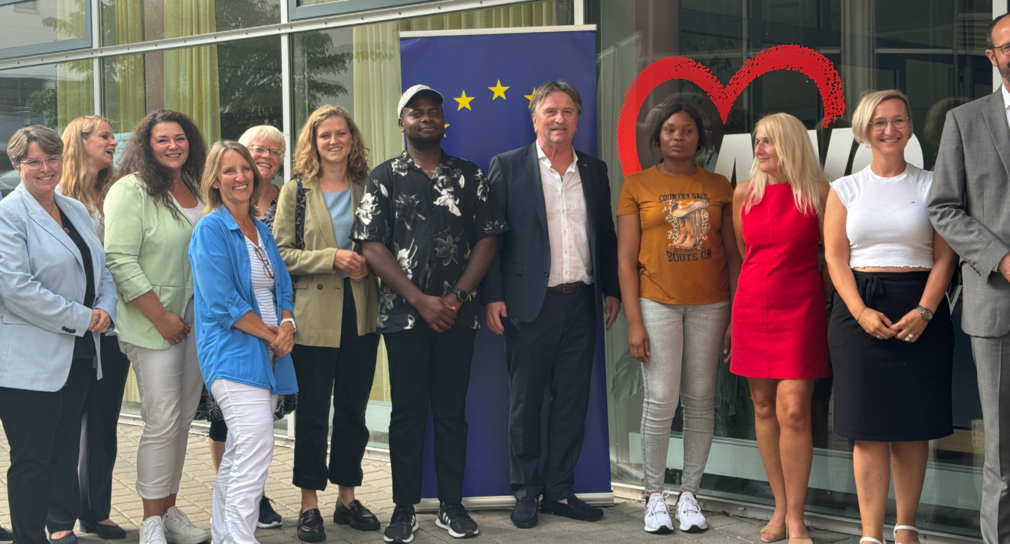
262, 284
194, 213
886, 221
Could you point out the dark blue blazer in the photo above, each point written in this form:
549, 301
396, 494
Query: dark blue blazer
518, 275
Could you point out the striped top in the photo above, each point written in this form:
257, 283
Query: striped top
262, 281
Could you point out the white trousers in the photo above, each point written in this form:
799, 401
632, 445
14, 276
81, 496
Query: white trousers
249, 413
170, 384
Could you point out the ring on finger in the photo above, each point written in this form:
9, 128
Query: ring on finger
909, 337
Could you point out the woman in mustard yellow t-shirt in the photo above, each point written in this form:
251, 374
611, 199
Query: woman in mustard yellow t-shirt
678, 264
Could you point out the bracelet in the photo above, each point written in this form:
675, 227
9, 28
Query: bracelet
290, 320
861, 313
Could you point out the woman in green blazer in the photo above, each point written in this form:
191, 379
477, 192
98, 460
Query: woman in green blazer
149, 216
336, 306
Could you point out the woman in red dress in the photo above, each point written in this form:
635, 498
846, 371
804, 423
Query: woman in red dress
779, 325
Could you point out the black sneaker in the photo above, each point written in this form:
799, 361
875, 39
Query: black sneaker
453, 518
269, 518
402, 525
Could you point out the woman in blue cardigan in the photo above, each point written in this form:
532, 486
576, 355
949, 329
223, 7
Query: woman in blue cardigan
244, 332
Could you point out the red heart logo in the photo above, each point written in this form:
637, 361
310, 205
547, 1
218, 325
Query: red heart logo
783, 57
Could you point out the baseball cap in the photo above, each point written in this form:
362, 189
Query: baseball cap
414, 91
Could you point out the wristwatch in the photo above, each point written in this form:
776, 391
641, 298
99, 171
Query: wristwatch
289, 320
925, 312
462, 295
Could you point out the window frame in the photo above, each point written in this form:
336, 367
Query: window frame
73, 44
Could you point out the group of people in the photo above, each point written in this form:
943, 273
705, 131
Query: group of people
230, 296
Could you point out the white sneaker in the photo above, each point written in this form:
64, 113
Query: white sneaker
152, 531
179, 530
657, 515
689, 514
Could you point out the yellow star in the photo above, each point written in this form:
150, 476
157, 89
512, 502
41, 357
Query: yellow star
445, 134
499, 90
464, 101
530, 96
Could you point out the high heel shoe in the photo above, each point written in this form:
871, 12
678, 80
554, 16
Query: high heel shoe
779, 533
806, 540
108, 532
903, 528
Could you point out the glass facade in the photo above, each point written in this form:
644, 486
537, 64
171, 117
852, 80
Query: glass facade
931, 49
934, 52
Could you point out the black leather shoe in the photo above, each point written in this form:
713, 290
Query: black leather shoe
524, 513
69, 539
357, 516
575, 509
108, 532
5, 535
310, 526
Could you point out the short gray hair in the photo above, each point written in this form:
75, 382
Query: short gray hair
47, 138
263, 131
863, 115
552, 86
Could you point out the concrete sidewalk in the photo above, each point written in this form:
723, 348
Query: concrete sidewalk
621, 523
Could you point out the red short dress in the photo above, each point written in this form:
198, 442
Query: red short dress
780, 327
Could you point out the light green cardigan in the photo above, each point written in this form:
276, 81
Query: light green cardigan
146, 249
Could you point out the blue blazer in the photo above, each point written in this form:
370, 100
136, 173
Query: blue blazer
521, 266
223, 293
42, 286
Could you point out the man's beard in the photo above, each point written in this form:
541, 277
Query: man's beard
1004, 70
425, 141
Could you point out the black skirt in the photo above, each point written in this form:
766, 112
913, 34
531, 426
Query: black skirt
891, 390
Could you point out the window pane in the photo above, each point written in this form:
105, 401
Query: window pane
225, 88
51, 95
132, 21
41, 22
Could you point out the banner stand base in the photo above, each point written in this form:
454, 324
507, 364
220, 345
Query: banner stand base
506, 502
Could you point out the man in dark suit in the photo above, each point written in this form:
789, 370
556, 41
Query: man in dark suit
545, 291
969, 205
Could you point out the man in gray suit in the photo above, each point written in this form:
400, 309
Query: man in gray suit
969, 206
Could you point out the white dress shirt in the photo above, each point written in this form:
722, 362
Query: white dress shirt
567, 223
1006, 103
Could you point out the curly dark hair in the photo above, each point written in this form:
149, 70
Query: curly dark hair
669, 111
139, 159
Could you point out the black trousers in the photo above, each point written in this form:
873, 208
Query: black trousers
43, 432
98, 441
553, 351
345, 375
426, 367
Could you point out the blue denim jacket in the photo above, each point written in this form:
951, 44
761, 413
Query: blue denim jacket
223, 294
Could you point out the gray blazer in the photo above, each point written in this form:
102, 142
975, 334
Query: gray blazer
42, 285
969, 206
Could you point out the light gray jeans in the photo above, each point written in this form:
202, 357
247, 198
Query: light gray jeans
685, 343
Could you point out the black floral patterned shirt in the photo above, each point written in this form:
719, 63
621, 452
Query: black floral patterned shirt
430, 226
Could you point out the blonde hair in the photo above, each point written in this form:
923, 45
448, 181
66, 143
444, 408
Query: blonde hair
798, 162
212, 195
263, 131
306, 158
863, 115
75, 183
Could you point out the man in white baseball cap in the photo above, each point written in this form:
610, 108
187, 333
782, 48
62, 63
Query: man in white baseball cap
418, 90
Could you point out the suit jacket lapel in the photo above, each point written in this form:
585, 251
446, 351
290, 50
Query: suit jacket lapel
533, 165
316, 208
997, 125
588, 182
48, 224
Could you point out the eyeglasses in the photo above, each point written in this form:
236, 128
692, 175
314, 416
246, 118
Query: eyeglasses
265, 260
1005, 48
262, 150
899, 123
54, 161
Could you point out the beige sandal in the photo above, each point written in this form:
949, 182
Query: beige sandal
779, 532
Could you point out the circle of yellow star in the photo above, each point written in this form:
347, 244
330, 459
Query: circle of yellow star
464, 101
498, 90
530, 96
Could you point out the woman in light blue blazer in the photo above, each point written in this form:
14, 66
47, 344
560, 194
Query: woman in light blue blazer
56, 297
244, 332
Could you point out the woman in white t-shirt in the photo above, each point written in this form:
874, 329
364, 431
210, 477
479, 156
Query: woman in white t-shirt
890, 333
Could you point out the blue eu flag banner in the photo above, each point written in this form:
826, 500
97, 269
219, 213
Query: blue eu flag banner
488, 82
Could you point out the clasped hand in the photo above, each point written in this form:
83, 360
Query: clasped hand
439, 312
100, 321
880, 327
283, 341
354, 264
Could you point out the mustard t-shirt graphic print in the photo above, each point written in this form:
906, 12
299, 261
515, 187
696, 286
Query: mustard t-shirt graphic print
681, 260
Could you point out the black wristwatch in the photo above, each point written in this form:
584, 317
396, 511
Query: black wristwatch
462, 295
925, 312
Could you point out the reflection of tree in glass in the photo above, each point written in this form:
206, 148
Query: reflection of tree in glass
70, 25
315, 58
